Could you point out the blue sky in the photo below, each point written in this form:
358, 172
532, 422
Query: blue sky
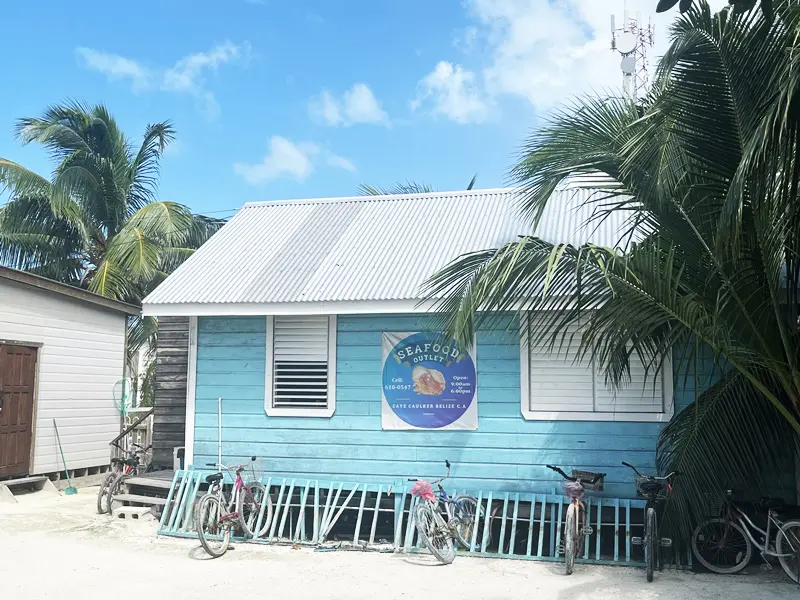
293, 99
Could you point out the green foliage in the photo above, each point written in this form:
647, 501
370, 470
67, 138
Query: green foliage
706, 172
96, 223
409, 187
739, 6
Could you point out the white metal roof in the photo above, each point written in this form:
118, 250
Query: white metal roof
364, 248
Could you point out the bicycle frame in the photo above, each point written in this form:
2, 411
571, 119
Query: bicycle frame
238, 486
747, 526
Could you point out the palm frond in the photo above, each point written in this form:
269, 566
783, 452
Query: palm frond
409, 187
144, 169
169, 223
21, 181
728, 439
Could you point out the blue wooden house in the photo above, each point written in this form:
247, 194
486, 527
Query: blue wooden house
305, 319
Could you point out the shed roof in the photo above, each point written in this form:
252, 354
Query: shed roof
357, 249
54, 287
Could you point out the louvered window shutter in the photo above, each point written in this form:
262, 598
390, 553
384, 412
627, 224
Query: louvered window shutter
300, 362
560, 383
557, 381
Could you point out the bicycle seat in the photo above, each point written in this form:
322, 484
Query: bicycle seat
212, 479
117, 461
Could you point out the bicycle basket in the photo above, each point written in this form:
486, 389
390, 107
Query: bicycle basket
587, 477
647, 488
254, 471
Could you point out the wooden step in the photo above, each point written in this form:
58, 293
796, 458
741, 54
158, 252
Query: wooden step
140, 481
149, 500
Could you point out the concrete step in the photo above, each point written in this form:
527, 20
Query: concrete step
144, 481
148, 500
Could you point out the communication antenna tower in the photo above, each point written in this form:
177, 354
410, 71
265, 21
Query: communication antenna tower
632, 41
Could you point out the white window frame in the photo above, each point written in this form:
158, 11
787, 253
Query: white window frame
540, 415
268, 376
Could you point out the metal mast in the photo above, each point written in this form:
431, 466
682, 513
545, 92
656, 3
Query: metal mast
632, 41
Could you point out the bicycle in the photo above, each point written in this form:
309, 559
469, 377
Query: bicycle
655, 490
121, 469
441, 518
575, 524
725, 544
216, 514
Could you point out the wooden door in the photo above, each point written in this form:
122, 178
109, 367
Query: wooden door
17, 376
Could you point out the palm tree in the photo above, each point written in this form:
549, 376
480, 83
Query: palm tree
706, 169
409, 187
95, 223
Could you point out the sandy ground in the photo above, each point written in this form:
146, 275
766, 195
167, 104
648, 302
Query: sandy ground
56, 547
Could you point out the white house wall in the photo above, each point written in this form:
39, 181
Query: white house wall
80, 359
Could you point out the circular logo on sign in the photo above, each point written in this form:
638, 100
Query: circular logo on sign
428, 383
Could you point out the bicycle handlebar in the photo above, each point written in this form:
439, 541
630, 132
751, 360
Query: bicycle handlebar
592, 481
560, 472
630, 466
441, 479
651, 477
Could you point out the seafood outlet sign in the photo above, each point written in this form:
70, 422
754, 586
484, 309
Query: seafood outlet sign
428, 383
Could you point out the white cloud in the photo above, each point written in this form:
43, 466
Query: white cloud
289, 159
187, 76
341, 162
548, 51
325, 109
358, 105
453, 92
115, 67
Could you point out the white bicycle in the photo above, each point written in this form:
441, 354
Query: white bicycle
725, 544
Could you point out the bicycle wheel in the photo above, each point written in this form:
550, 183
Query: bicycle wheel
113, 490
650, 542
249, 507
103, 506
434, 533
467, 515
721, 546
788, 543
570, 538
213, 530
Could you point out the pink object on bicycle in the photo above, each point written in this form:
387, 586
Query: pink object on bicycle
423, 489
573, 489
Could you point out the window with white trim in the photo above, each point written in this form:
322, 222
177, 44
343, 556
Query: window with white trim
301, 366
557, 387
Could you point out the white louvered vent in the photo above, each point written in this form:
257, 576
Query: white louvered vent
300, 362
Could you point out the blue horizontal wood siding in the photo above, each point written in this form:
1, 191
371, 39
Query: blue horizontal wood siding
507, 453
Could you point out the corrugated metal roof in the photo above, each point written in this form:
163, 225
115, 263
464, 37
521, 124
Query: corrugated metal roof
363, 248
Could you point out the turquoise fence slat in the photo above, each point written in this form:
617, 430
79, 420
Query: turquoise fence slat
511, 524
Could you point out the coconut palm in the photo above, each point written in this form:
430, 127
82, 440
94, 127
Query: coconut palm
706, 169
95, 223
